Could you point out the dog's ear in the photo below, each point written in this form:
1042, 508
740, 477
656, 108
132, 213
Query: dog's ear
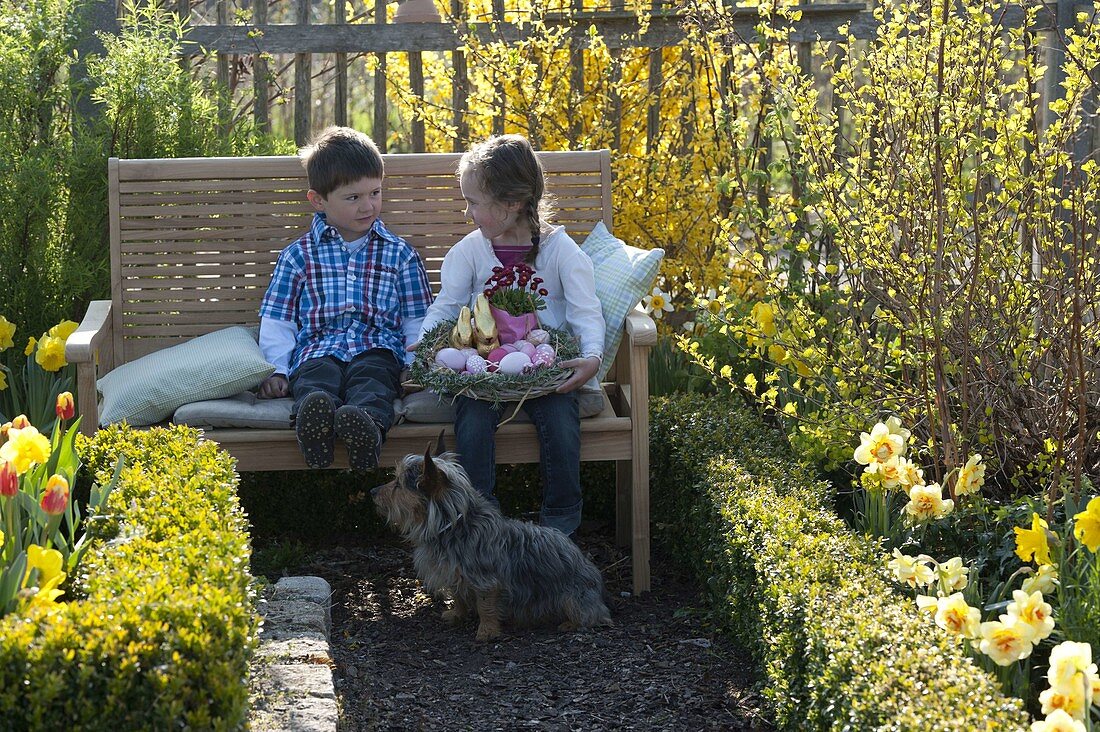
431, 479
440, 445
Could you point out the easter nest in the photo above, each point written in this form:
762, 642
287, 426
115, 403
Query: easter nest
490, 386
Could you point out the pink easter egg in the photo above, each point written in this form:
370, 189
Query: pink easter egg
542, 359
452, 358
508, 347
520, 344
514, 363
476, 364
498, 353
547, 349
528, 349
468, 351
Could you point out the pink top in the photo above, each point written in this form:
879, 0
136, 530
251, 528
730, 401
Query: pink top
509, 255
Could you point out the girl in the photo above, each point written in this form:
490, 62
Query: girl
502, 182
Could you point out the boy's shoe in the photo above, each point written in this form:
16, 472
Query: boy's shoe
314, 428
361, 434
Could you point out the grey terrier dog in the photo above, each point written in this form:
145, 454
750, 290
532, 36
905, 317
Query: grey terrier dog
502, 569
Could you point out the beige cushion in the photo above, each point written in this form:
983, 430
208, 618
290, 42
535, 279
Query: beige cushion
211, 366
244, 410
428, 407
624, 275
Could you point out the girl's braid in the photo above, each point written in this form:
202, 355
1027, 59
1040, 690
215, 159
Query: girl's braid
536, 232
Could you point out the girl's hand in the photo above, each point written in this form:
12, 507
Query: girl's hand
412, 347
583, 370
275, 386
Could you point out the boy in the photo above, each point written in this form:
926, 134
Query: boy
344, 300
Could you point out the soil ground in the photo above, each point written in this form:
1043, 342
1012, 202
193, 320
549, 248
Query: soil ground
660, 667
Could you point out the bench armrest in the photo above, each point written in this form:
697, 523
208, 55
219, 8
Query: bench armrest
640, 328
89, 349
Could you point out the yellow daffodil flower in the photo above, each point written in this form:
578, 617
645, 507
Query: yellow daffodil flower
894, 425
889, 472
954, 615
926, 503
1086, 525
51, 353
971, 476
24, 448
3, 381
913, 571
928, 604
63, 330
7, 333
1032, 543
1005, 643
953, 574
880, 445
1057, 721
657, 303
1032, 610
910, 474
30, 346
1068, 659
1044, 580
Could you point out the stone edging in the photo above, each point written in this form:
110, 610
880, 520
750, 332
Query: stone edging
291, 675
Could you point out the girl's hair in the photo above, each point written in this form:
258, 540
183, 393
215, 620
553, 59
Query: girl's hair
508, 170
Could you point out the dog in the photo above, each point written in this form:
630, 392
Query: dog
502, 569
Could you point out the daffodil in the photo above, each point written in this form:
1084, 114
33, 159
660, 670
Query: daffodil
910, 474
954, 615
1032, 610
894, 425
953, 574
1058, 721
1044, 580
878, 446
928, 604
657, 303
51, 353
889, 472
24, 448
30, 346
1005, 643
1069, 700
1032, 543
926, 503
1086, 525
64, 329
3, 381
1071, 662
913, 571
971, 476
7, 332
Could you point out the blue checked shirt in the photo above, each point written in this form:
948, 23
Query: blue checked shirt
347, 301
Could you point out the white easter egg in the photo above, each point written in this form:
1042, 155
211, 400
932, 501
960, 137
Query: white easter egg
452, 358
520, 344
513, 363
475, 364
538, 336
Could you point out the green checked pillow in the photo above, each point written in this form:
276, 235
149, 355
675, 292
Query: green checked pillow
624, 275
212, 366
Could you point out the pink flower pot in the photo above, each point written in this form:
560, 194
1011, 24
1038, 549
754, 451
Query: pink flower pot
511, 328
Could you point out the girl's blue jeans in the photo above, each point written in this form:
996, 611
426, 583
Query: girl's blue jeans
557, 422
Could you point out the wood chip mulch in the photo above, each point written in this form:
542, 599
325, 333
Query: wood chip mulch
661, 667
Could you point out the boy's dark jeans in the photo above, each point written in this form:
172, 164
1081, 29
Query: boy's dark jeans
370, 381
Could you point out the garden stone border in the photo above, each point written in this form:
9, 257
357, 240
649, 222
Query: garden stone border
291, 686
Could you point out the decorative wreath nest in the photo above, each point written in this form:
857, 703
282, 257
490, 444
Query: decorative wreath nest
492, 387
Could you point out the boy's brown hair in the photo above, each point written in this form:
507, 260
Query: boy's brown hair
338, 156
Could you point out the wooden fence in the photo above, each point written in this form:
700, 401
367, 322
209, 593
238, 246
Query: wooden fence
232, 42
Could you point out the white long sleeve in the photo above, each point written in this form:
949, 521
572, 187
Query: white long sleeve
277, 341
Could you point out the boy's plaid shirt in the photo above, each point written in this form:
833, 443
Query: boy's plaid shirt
346, 302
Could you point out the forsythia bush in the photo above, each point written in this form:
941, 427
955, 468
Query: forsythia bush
839, 649
160, 625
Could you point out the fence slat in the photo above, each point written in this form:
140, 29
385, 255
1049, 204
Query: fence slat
379, 131
261, 91
416, 85
460, 87
501, 97
303, 84
340, 113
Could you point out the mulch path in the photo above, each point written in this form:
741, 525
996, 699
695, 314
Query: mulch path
399, 667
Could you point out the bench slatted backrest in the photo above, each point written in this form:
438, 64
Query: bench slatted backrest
194, 240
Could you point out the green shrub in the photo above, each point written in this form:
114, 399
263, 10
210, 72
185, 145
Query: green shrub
160, 623
838, 648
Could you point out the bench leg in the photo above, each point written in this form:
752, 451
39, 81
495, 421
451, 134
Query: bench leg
640, 528
623, 511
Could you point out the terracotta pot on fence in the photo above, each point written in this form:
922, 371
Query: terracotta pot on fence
511, 328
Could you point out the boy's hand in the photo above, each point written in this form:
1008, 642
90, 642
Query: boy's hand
275, 387
583, 370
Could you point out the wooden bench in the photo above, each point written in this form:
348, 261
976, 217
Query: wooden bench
193, 245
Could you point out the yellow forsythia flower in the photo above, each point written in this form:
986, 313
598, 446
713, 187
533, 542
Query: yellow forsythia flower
971, 476
1086, 525
7, 331
1006, 643
1033, 610
1032, 543
763, 314
30, 346
880, 445
64, 329
24, 448
51, 353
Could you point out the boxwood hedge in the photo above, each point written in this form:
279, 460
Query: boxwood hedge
839, 649
159, 624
